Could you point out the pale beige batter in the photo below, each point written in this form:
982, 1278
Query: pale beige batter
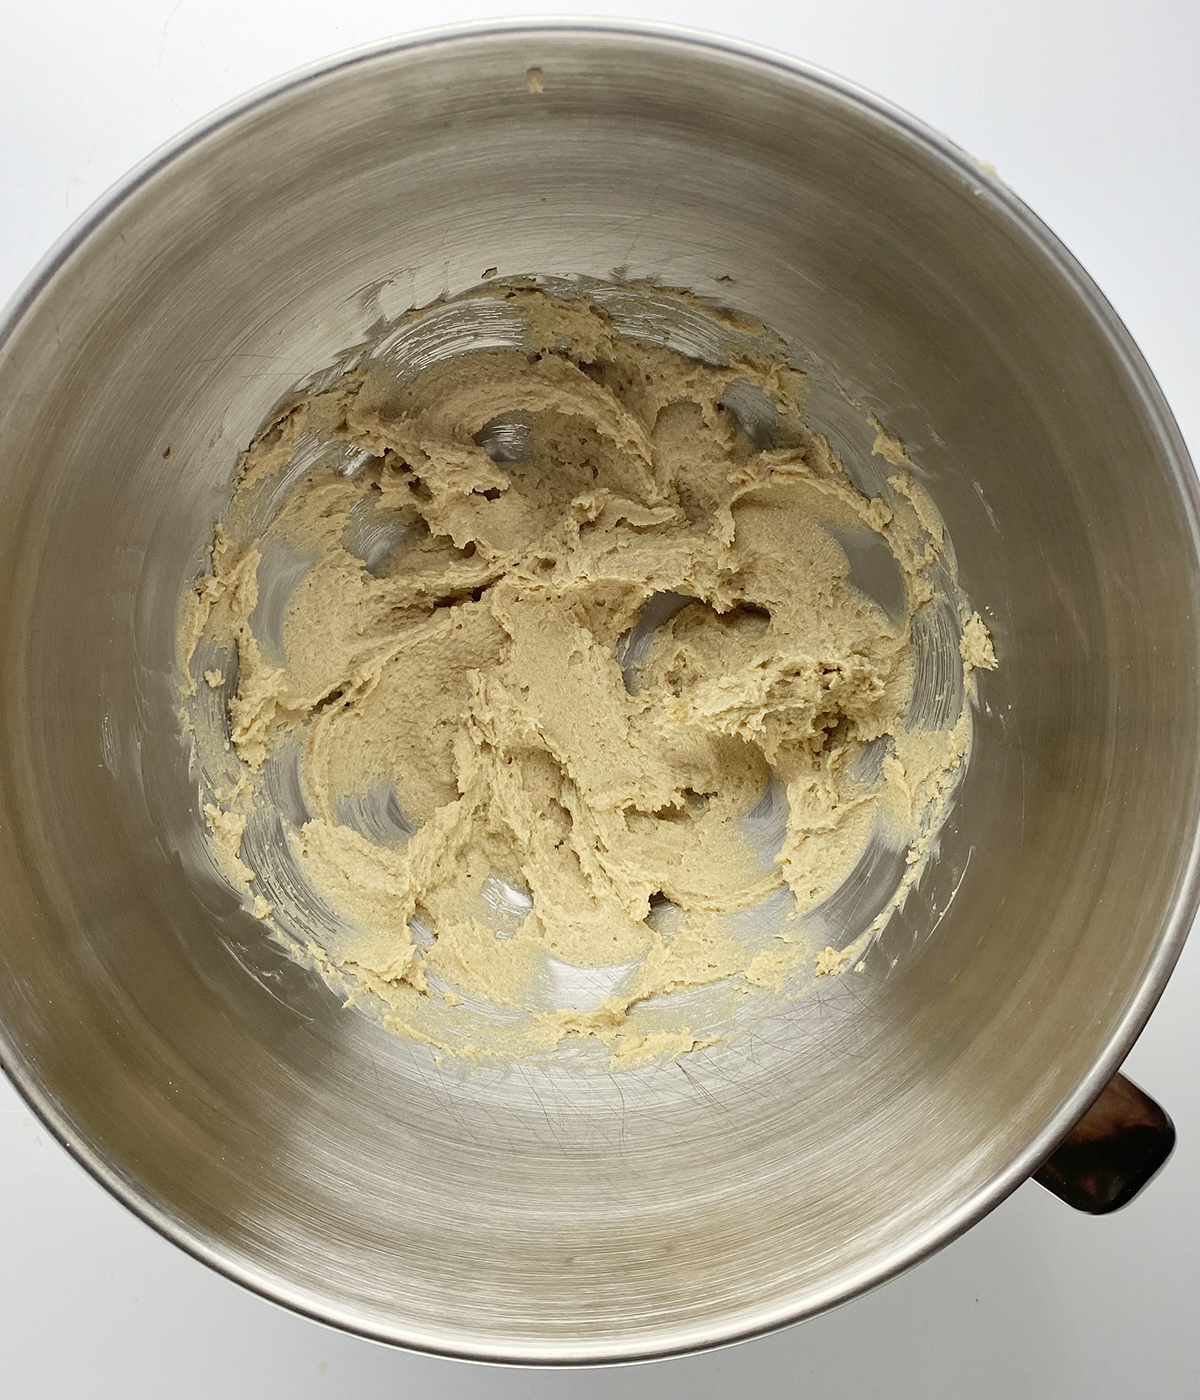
490, 669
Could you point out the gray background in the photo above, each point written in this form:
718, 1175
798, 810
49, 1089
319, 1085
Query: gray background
1091, 111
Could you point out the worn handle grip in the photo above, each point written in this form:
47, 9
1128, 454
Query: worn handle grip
1112, 1152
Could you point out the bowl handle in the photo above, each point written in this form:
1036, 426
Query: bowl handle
1112, 1152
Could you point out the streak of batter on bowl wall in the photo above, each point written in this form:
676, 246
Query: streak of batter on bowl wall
532, 696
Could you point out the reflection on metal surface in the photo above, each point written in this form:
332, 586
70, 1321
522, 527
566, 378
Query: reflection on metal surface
377, 815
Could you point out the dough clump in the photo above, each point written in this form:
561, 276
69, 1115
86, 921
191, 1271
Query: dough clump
544, 628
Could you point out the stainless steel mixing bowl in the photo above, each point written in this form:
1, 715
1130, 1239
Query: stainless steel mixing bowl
557, 1216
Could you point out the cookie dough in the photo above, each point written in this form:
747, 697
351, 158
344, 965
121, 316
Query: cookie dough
543, 627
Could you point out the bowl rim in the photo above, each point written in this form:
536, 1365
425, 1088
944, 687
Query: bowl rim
681, 1341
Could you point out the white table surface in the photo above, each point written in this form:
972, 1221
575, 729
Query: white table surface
1090, 109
